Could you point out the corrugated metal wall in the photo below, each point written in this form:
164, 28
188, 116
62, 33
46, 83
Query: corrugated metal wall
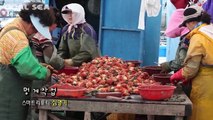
120, 36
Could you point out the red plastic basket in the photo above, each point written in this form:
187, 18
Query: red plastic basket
158, 92
163, 78
76, 93
69, 70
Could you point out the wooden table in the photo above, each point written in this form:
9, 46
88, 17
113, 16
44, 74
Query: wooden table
135, 106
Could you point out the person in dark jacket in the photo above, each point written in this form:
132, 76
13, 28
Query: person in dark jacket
173, 30
78, 41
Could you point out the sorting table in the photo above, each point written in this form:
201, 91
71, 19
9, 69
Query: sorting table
179, 109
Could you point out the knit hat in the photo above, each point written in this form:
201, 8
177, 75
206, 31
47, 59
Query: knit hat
191, 13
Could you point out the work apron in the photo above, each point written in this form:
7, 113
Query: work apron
12, 95
202, 95
83, 49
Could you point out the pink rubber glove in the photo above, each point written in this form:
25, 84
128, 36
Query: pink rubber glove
176, 77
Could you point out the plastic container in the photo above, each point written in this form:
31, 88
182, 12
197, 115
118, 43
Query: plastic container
152, 69
69, 70
76, 93
65, 90
163, 78
159, 92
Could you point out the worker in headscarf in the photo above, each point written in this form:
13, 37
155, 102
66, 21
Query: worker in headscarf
18, 66
198, 64
78, 41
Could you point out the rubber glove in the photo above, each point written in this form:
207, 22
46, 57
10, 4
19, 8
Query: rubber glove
178, 76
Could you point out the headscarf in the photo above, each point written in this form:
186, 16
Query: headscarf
78, 15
